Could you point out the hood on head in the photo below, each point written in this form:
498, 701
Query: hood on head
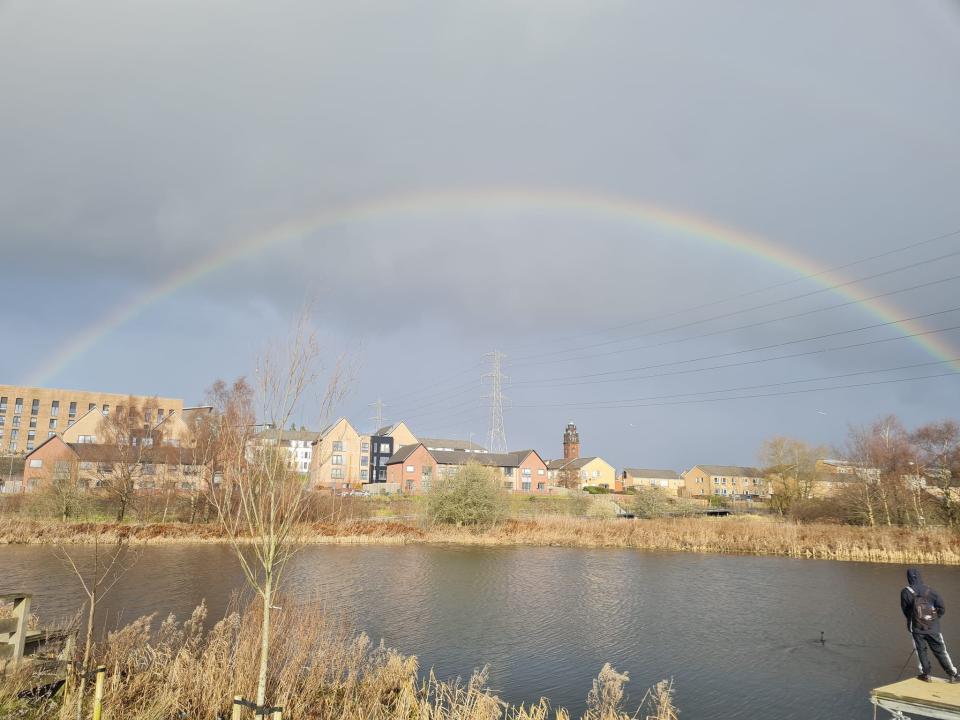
913, 577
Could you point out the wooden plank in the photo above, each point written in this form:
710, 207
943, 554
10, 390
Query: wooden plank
940, 695
6, 651
9, 625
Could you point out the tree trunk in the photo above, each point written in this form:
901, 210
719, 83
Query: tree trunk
265, 638
87, 650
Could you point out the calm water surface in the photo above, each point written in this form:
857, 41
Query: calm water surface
739, 635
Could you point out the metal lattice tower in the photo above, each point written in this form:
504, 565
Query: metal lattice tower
377, 418
497, 439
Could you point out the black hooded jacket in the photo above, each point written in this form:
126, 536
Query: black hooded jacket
915, 587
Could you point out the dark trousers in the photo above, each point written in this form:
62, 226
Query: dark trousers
921, 641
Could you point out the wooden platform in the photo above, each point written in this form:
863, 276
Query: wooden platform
938, 699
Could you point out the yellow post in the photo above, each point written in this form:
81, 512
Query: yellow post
98, 693
235, 714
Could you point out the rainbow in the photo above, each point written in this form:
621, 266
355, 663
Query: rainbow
431, 204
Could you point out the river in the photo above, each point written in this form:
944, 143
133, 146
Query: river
739, 635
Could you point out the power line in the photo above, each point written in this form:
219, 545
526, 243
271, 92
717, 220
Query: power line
774, 286
786, 392
762, 347
739, 312
613, 404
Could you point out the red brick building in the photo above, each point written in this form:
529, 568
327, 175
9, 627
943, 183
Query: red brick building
413, 468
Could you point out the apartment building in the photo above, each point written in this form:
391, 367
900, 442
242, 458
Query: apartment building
667, 480
340, 459
92, 465
382, 444
31, 415
584, 472
830, 475
725, 480
413, 468
298, 444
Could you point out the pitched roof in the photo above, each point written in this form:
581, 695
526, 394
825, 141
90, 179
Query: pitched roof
735, 470
446, 444
655, 474
462, 457
574, 464
402, 453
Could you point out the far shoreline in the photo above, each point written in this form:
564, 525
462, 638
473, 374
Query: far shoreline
727, 536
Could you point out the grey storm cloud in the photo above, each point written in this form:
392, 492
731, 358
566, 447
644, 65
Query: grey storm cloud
140, 138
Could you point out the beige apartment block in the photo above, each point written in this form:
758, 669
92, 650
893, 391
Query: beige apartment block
335, 462
667, 480
724, 480
31, 415
585, 472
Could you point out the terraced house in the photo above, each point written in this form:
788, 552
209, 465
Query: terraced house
733, 481
667, 480
413, 468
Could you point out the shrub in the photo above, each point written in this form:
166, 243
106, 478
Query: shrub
651, 503
471, 496
593, 490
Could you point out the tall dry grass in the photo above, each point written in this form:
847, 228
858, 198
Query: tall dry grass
751, 536
178, 670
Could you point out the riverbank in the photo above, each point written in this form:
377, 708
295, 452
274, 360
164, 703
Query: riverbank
176, 668
749, 536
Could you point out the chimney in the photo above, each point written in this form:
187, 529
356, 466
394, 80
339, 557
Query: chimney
571, 442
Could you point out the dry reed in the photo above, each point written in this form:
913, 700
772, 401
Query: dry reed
708, 535
318, 672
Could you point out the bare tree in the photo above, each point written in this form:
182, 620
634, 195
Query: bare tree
127, 437
938, 459
263, 499
97, 578
790, 467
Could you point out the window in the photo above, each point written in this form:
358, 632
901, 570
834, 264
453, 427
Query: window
18, 406
186, 485
52, 425
61, 470
29, 445
540, 472
541, 486
105, 468
508, 485
50, 434
409, 485
148, 415
3, 405
386, 448
426, 472
508, 472
34, 407
86, 465
36, 463
364, 474
160, 414
33, 422
13, 446
54, 408
106, 409
365, 447
91, 406
364, 460
149, 469
336, 460
526, 472
3, 420
716, 481
31, 434
73, 409
87, 439
338, 446
14, 434
525, 486
16, 421
409, 468
336, 474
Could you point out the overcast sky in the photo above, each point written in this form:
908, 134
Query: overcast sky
139, 138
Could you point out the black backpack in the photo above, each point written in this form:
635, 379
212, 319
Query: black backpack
924, 612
